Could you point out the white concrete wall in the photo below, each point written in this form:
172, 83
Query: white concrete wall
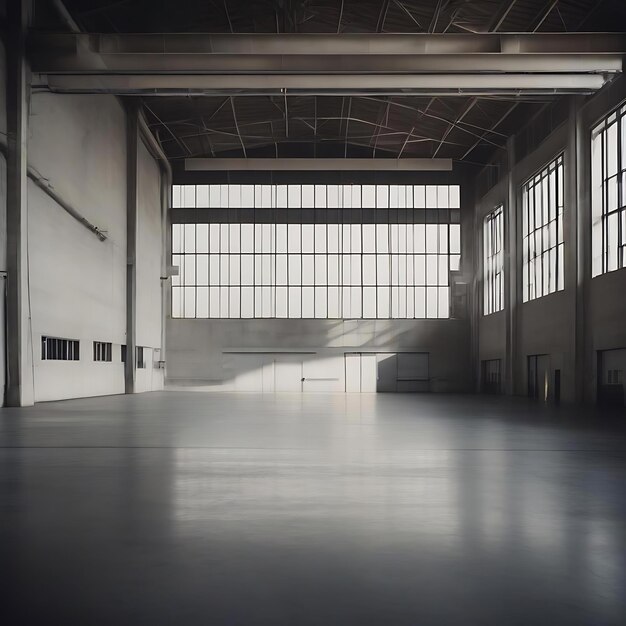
195, 347
78, 283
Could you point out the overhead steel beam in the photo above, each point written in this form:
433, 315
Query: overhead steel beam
431, 165
85, 61
157, 84
325, 44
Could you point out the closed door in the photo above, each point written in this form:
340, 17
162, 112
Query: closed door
361, 372
539, 384
287, 372
353, 373
611, 377
368, 373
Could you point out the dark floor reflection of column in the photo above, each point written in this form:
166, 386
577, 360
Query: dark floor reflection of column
12, 509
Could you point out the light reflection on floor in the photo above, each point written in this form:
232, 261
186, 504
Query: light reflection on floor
311, 509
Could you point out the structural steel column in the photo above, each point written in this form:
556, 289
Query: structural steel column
132, 145
20, 391
511, 280
584, 350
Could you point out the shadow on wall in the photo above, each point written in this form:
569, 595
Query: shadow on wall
257, 355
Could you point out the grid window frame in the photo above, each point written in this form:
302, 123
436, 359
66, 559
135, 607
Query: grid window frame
543, 209
59, 349
493, 261
102, 351
307, 263
608, 195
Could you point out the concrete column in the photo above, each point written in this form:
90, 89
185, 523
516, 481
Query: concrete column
571, 388
585, 384
511, 274
20, 385
166, 302
469, 263
132, 145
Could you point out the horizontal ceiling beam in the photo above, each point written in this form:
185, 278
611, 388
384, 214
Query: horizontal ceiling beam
376, 165
90, 63
324, 44
451, 84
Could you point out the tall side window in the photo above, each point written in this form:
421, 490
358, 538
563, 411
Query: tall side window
493, 262
608, 194
542, 231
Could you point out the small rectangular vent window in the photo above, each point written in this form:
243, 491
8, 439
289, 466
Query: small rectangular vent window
57, 349
102, 351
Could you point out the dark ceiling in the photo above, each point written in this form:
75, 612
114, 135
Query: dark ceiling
460, 127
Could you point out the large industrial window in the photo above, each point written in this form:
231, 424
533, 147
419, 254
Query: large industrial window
493, 262
316, 251
608, 196
542, 216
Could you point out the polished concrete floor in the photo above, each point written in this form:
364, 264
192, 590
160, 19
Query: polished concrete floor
217, 509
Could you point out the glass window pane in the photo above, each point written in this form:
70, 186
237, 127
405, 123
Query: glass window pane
369, 302
383, 295
214, 301
202, 238
369, 269
307, 238
382, 196
234, 196
190, 238
333, 302
320, 196
281, 238
320, 269
281, 269
419, 197
247, 197
320, 302
295, 301
308, 196
281, 301
369, 238
308, 308
308, 269
368, 196
293, 238
202, 269
320, 238
295, 269
247, 302
177, 238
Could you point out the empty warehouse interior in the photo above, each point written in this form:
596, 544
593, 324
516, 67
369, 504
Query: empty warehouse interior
313, 312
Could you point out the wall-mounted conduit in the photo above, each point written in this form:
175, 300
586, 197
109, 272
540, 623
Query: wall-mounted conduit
43, 184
